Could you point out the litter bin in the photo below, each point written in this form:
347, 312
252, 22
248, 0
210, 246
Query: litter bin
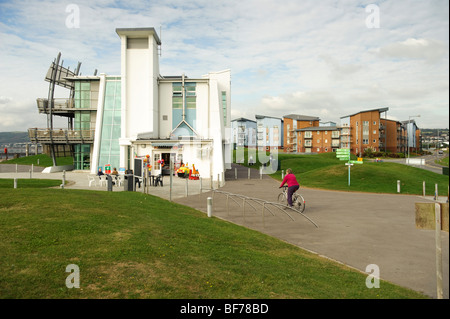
445, 170
128, 182
109, 183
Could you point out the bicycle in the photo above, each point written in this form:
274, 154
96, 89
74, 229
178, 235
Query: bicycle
298, 202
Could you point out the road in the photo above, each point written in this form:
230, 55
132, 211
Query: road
430, 164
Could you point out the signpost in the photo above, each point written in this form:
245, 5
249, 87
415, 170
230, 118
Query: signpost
344, 155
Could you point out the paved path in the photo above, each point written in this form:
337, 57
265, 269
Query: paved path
356, 229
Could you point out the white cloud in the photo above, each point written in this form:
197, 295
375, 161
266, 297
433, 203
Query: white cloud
431, 51
314, 57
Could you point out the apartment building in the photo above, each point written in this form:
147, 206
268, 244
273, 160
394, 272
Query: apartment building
318, 139
243, 132
393, 136
292, 123
414, 136
269, 132
361, 131
142, 114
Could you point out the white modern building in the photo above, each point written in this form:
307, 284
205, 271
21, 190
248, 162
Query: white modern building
142, 114
269, 132
243, 132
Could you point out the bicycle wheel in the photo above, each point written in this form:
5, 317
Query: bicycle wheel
299, 202
282, 198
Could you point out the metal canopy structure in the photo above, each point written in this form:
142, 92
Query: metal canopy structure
56, 75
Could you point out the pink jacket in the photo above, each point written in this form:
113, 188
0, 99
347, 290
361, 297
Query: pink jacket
290, 180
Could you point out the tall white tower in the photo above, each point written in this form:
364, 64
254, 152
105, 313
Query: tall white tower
139, 74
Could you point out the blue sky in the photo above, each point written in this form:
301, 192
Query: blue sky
316, 58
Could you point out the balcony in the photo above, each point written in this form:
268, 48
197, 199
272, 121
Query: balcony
60, 136
62, 107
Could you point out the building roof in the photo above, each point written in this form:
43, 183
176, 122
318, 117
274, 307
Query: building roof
138, 33
302, 117
266, 116
384, 109
318, 128
242, 119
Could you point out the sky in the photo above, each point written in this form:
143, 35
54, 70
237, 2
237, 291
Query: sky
326, 58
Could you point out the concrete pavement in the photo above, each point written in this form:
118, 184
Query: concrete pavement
356, 229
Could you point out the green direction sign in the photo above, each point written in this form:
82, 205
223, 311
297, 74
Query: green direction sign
343, 151
356, 162
343, 154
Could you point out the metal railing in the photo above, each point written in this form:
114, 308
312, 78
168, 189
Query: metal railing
265, 205
60, 136
59, 105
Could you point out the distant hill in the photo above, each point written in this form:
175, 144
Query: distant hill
14, 137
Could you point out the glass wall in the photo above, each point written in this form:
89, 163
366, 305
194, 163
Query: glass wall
110, 129
190, 107
82, 156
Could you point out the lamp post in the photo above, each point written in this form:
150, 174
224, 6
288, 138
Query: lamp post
407, 133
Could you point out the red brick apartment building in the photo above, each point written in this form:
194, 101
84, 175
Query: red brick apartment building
361, 131
393, 136
358, 132
322, 139
292, 123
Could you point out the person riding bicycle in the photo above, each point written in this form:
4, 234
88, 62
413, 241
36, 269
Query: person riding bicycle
292, 184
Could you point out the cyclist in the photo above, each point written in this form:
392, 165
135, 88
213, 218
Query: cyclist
292, 184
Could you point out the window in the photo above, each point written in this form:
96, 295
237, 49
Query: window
83, 120
224, 107
82, 97
365, 141
111, 124
156, 158
191, 98
177, 96
82, 156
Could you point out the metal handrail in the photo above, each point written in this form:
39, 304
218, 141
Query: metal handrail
282, 207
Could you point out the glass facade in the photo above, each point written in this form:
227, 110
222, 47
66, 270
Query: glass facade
224, 107
189, 107
82, 156
110, 128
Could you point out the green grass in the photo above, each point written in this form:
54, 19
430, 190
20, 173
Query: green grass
44, 160
325, 171
132, 245
29, 183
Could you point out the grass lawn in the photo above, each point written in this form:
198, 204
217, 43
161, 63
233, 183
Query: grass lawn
132, 245
29, 183
43, 159
327, 172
